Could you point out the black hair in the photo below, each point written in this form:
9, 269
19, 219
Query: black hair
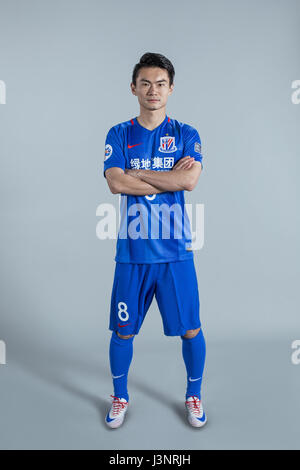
151, 59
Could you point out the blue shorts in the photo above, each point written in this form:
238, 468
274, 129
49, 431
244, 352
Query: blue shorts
176, 291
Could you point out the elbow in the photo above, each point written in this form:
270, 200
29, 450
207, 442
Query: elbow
191, 182
115, 180
190, 185
192, 179
113, 186
114, 189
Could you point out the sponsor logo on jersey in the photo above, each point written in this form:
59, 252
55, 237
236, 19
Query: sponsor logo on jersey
167, 144
108, 151
155, 163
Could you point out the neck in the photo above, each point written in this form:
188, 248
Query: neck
151, 119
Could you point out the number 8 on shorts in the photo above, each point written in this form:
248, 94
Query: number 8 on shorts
122, 311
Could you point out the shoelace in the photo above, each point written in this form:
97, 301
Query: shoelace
117, 405
194, 405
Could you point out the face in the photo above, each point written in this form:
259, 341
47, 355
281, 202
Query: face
152, 88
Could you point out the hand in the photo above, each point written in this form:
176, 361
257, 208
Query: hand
184, 163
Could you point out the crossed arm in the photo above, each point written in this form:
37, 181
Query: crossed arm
183, 176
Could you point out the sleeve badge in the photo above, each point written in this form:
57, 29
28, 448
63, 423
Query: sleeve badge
197, 147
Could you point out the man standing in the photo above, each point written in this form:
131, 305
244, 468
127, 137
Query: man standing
151, 160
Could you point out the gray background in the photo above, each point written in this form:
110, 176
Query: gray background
67, 66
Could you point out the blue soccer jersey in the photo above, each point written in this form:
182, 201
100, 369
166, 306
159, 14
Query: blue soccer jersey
153, 228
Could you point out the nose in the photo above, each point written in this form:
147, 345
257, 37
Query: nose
152, 89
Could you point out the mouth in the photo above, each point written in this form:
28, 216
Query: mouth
153, 100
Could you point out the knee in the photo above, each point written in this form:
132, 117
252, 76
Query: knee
124, 337
191, 333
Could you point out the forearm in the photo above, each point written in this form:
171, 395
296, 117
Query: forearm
178, 180
127, 184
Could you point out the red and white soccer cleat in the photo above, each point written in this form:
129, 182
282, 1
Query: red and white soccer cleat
196, 415
116, 414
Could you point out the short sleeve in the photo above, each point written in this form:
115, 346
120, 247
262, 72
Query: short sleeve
192, 145
114, 155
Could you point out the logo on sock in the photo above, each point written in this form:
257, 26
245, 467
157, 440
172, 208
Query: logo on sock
194, 380
117, 376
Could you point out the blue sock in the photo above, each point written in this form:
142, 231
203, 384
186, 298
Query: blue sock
120, 356
193, 352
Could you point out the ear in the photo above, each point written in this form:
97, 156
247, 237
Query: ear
171, 89
132, 89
